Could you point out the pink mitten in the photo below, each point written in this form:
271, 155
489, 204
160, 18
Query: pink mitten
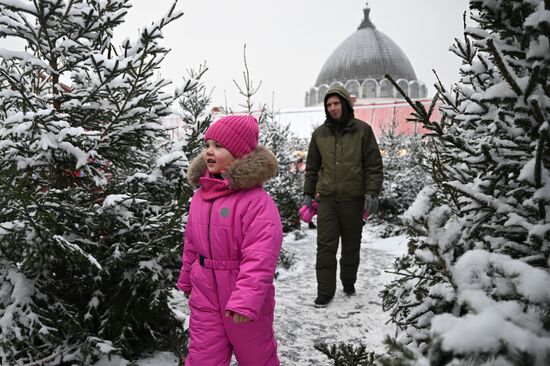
302, 212
306, 213
314, 206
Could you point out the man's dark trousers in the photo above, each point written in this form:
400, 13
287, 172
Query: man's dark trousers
337, 219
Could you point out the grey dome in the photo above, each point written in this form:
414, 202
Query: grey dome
367, 53
359, 64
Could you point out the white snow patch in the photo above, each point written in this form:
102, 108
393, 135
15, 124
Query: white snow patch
114, 199
169, 158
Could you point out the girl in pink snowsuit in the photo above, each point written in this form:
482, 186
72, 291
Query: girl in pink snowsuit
232, 242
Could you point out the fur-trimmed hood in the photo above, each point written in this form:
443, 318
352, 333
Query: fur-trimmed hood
251, 171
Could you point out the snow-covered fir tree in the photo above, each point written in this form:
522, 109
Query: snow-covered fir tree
286, 187
196, 117
406, 172
475, 289
89, 227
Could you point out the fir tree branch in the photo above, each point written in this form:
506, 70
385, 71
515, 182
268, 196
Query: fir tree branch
433, 104
133, 86
502, 67
21, 89
417, 107
537, 112
438, 169
533, 82
539, 117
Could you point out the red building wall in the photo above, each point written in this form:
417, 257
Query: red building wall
380, 116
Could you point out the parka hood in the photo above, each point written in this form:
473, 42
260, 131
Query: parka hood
251, 171
347, 105
341, 91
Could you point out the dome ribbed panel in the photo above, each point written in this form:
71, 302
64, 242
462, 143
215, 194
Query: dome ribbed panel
367, 53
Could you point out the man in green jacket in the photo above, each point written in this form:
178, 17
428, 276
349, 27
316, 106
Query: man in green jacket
344, 173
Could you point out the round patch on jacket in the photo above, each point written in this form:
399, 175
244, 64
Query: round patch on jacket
224, 212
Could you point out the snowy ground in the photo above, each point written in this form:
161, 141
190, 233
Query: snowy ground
298, 324
354, 319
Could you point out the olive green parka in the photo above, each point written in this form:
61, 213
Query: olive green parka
343, 159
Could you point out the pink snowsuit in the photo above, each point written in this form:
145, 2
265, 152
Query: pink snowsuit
232, 242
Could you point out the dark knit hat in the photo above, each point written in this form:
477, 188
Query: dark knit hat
237, 133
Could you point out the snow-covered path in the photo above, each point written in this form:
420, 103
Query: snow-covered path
355, 319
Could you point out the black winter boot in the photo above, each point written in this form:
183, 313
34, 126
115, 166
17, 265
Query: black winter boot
349, 289
322, 301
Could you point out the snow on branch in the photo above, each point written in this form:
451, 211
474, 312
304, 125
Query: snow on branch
25, 57
77, 250
483, 279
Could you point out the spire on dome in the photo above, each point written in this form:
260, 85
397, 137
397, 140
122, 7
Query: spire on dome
366, 23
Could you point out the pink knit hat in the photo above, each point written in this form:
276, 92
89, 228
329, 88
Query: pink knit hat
237, 133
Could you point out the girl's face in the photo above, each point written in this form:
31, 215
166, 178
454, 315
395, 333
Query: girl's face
218, 158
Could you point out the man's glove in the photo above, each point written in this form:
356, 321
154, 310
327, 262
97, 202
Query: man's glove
308, 200
371, 205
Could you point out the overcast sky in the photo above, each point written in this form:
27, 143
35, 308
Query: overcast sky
288, 41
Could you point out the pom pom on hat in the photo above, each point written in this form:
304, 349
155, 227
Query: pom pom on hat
237, 133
